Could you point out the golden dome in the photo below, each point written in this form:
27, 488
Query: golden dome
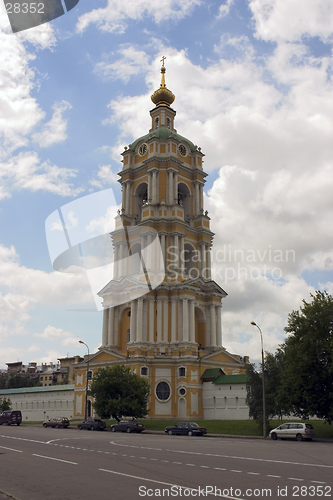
163, 96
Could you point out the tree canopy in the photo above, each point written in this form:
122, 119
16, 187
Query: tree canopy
307, 382
5, 404
299, 376
119, 392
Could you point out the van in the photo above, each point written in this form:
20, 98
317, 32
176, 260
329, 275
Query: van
10, 417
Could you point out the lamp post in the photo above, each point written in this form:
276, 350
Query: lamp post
86, 399
263, 382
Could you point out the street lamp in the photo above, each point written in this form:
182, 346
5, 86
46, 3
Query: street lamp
263, 382
87, 388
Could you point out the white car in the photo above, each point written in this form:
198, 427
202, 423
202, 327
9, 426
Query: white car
294, 430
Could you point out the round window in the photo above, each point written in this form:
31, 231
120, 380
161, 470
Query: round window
182, 391
163, 391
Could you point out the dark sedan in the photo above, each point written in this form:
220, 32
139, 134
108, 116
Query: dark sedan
127, 426
186, 429
92, 424
57, 422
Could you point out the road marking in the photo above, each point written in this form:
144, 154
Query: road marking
166, 484
191, 465
57, 459
256, 473
318, 482
271, 475
235, 470
10, 449
295, 479
219, 468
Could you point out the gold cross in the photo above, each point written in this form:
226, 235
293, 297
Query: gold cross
162, 61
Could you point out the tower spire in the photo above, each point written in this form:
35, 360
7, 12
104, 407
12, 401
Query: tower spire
163, 96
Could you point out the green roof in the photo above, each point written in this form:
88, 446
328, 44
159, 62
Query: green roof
162, 133
46, 388
210, 373
231, 379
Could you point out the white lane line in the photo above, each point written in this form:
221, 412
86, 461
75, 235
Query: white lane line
10, 449
166, 484
57, 459
219, 468
235, 470
295, 479
256, 473
191, 465
271, 475
318, 482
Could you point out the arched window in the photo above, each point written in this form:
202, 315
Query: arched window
141, 199
181, 371
168, 122
184, 199
89, 375
190, 264
144, 371
156, 122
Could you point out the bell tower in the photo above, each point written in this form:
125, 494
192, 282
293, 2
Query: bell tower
162, 196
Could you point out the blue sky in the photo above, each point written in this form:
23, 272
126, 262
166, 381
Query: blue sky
253, 87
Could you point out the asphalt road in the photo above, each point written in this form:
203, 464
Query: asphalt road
68, 464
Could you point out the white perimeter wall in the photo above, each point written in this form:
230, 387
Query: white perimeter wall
39, 406
224, 401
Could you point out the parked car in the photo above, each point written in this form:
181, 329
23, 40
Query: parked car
57, 422
293, 430
11, 417
127, 426
92, 424
186, 428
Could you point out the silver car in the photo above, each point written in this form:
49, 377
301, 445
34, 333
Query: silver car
293, 430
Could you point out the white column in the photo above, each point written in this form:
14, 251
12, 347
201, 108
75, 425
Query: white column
111, 327
165, 320
162, 240
197, 199
174, 320
133, 322
154, 187
176, 188
124, 192
185, 320
116, 321
192, 322
159, 320
219, 326
150, 190
209, 264
203, 259
201, 196
105, 327
128, 198
182, 254
151, 320
175, 251
212, 326
139, 318
115, 263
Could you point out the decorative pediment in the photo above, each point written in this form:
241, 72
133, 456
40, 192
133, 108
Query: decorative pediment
222, 356
105, 355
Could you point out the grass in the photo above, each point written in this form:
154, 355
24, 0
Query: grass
231, 427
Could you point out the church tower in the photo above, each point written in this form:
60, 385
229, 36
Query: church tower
162, 310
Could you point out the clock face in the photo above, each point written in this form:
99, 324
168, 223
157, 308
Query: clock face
143, 149
182, 149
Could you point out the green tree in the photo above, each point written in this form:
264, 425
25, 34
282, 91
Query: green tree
307, 381
5, 404
118, 392
275, 404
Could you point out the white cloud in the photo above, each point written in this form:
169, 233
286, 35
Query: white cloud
290, 20
105, 177
225, 8
55, 130
25, 171
131, 63
117, 13
54, 334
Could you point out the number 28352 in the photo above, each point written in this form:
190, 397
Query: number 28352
25, 8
